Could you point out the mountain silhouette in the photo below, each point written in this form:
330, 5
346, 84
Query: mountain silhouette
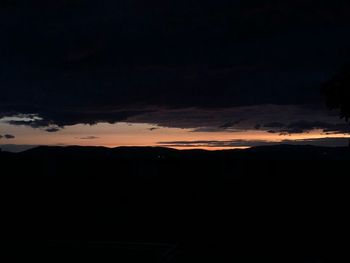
279, 202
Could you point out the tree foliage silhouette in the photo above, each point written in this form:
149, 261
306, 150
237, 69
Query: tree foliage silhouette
337, 92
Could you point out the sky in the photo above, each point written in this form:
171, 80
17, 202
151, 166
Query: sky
184, 74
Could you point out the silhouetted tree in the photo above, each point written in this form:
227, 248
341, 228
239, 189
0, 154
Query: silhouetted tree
337, 92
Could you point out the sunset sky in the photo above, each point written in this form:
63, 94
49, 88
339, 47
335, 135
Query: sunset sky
222, 74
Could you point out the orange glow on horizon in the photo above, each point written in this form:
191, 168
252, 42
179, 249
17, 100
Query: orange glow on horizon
125, 134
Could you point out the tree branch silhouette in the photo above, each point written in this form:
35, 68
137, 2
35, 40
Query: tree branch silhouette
337, 92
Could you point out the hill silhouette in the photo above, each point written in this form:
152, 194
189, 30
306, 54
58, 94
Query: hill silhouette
142, 203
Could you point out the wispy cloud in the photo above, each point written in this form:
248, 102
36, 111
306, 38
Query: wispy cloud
281, 119
88, 138
7, 136
329, 142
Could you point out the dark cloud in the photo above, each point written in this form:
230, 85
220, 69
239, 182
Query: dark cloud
103, 61
215, 129
58, 118
7, 136
211, 143
89, 138
337, 128
306, 126
288, 119
52, 129
274, 125
230, 124
328, 142
273, 131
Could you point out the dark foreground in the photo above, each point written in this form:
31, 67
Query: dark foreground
281, 204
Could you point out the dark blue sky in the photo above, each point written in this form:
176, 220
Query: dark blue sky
73, 62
